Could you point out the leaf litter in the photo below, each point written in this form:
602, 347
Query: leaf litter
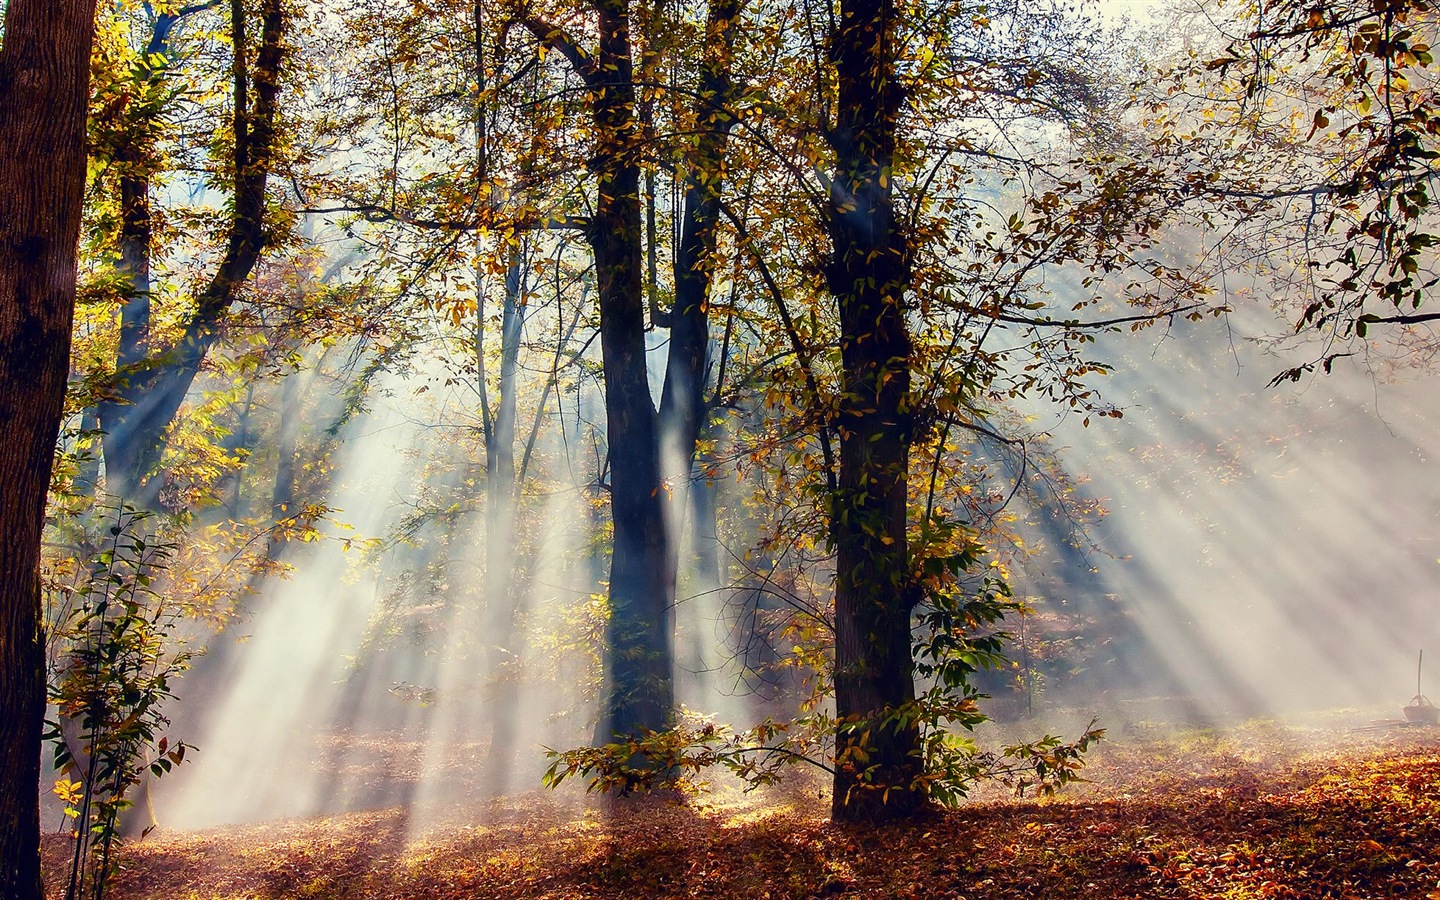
1262, 811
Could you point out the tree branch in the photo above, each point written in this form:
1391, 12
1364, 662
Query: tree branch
556, 38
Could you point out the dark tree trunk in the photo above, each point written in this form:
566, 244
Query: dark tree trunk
682, 402
154, 384
640, 693
44, 86
134, 159
877, 759
134, 263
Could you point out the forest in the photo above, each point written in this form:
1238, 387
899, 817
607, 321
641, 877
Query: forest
653, 448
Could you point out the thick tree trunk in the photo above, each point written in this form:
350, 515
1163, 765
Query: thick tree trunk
44, 86
640, 693
877, 758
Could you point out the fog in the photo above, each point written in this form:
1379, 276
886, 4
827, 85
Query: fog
1264, 550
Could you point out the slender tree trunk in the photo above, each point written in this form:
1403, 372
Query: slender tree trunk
287, 444
500, 505
87, 476
133, 267
44, 86
878, 758
705, 522
239, 443
132, 353
134, 159
682, 401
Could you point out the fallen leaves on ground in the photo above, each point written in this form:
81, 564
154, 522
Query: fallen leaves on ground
1249, 814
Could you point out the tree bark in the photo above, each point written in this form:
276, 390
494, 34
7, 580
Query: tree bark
44, 88
640, 693
682, 400
877, 758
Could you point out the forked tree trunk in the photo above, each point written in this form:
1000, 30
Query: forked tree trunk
44, 86
640, 693
682, 401
877, 758
153, 383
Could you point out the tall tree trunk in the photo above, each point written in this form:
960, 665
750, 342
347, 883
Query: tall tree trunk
682, 401
44, 87
135, 160
878, 758
640, 693
154, 383
133, 268
638, 641
500, 497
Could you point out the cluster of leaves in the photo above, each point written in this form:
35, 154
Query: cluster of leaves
1313, 145
959, 635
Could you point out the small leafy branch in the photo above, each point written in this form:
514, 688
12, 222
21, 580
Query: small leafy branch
674, 759
954, 640
110, 691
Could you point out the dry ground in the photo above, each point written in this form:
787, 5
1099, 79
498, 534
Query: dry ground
1258, 812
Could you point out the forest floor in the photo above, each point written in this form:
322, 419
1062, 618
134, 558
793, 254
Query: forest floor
1260, 811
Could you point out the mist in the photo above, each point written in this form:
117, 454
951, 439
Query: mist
1264, 550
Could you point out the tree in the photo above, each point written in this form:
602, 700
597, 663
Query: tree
683, 409
929, 262
502, 192
152, 382
868, 275
44, 86
933, 304
638, 643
